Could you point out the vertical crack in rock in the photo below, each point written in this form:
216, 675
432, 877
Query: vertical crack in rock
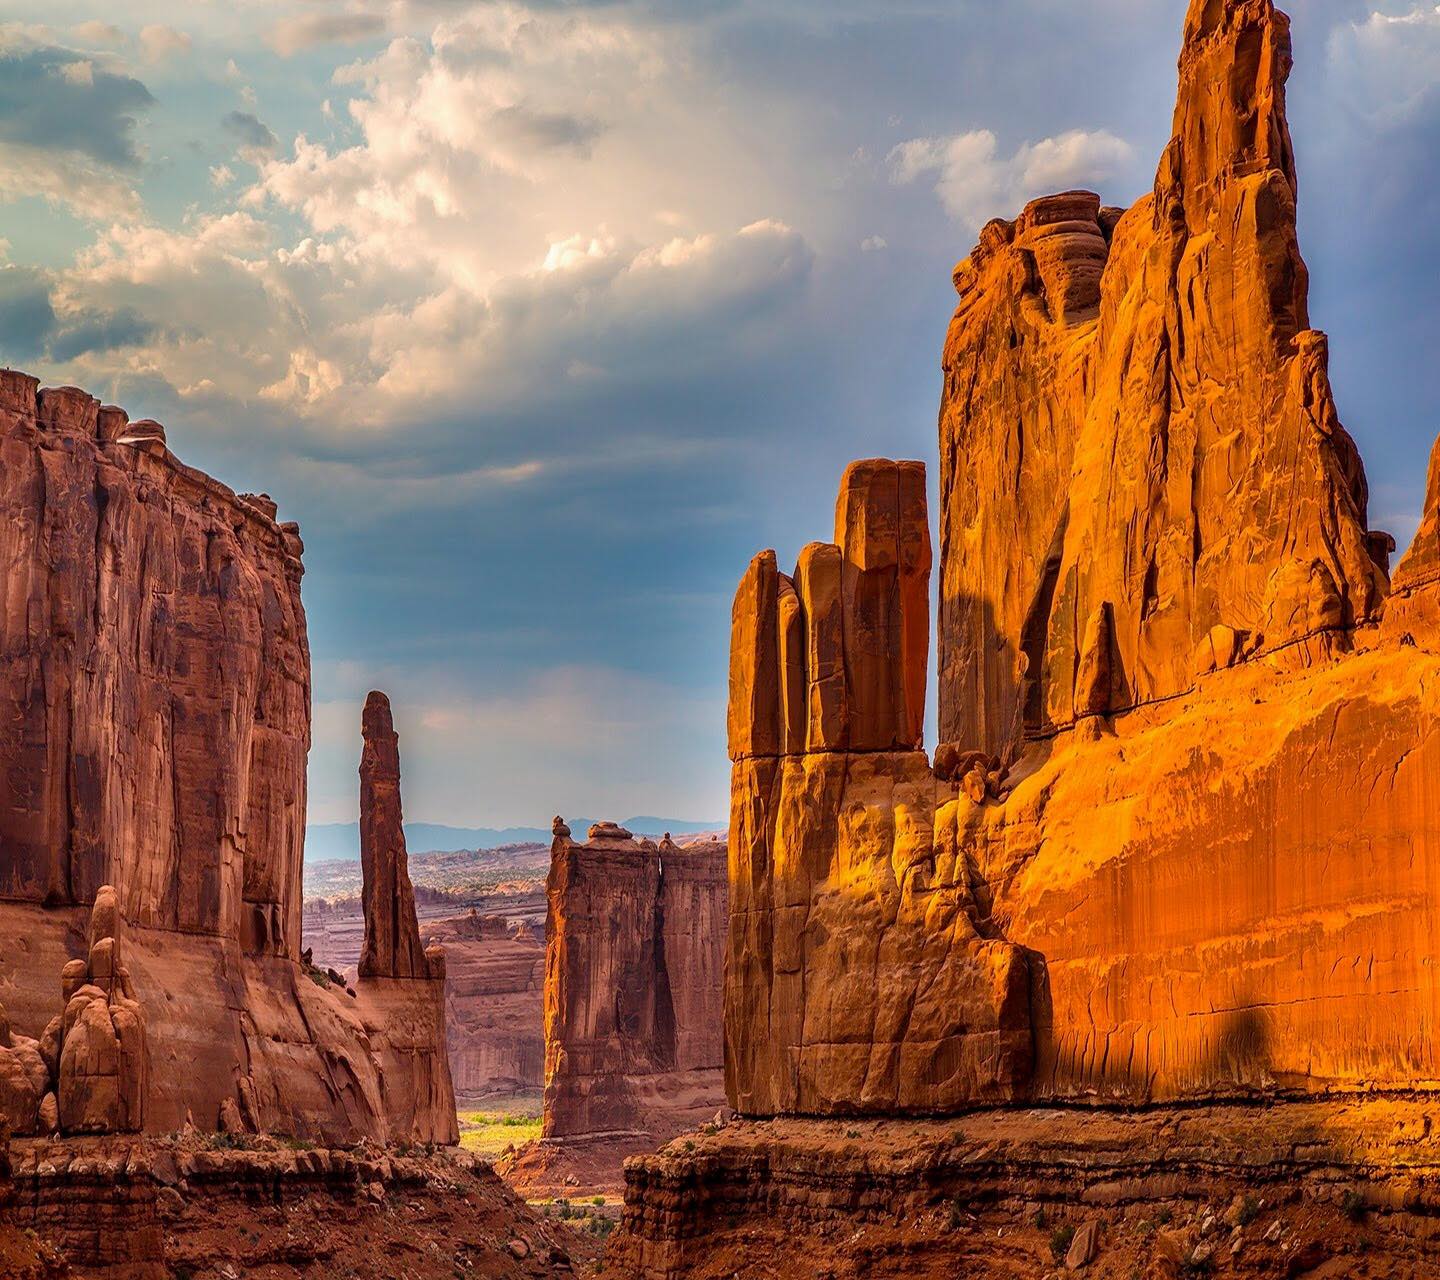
633, 984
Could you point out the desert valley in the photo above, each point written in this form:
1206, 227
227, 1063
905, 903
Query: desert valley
1127, 976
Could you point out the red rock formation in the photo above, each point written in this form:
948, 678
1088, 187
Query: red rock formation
494, 1005
1137, 418
102, 1069
1413, 608
633, 976
837, 999
1249, 1193
401, 985
154, 724
153, 1208
1178, 842
392, 935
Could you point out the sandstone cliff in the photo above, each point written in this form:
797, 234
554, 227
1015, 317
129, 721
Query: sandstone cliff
1178, 839
633, 978
1138, 439
154, 724
855, 982
494, 1005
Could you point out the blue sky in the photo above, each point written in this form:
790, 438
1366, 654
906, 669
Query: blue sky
542, 318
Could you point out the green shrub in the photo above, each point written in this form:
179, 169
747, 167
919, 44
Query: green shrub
1060, 1240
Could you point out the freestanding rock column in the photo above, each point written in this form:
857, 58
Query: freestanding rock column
633, 975
392, 935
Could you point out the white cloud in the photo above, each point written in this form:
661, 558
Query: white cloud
68, 179
975, 183
96, 32
1388, 65
294, 35
873, 244
159, 41
471, 248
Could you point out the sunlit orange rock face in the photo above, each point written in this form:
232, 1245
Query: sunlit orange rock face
1137, 420
1178, 837
154, 725
633, 975
853, 982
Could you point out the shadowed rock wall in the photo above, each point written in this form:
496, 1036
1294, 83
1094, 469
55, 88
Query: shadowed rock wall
494, 1004
633, 984
154, 725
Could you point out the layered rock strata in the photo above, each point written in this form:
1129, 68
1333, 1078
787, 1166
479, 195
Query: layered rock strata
1303, 1189
149, 1209
494, 1005
858, 980
154, 724
1177, 839
633, 979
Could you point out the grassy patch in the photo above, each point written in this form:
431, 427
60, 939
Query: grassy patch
488, 1133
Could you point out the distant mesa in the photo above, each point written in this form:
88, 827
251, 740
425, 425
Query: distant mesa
340, 841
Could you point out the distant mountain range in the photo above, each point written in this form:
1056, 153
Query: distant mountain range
340, 841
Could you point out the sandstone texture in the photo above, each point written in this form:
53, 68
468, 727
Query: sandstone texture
152, 1209
634, 974
494, 1005
155, 690
1137, 419
856, 980
392, 946
1323, 1190
1178, 837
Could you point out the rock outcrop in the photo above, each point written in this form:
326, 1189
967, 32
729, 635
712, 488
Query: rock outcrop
139, 1208
392, 946
857, 981
1177, 841
1311, 1189
401, 985
154, 725
1137, 419
494, 1004
102, 1068
633, 978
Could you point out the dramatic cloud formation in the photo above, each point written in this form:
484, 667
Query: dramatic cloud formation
67, 127
543, 317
